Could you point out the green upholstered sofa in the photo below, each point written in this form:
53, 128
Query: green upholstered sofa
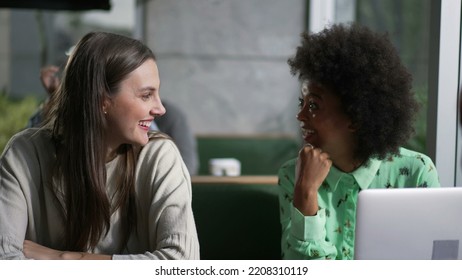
237, 222
241, 221
258, 154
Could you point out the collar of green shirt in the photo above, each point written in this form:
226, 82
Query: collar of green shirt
363, 175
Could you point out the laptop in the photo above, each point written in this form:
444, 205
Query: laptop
409, 224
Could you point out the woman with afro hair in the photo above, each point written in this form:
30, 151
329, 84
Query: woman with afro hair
356, 112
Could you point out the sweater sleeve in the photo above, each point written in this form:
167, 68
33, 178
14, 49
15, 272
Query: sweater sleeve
13, 206
302, 237
166, 220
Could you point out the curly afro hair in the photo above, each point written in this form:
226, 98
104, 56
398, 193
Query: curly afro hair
364, 69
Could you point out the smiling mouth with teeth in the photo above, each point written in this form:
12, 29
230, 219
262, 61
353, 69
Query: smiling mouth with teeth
307, 133
145, 124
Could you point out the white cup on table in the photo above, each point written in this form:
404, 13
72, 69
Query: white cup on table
224, 167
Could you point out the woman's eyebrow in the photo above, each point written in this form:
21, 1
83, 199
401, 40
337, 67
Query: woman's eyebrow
313, 94
147, 88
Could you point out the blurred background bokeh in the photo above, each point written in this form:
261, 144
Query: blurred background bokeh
223, 62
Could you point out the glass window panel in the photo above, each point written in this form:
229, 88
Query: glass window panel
408, 24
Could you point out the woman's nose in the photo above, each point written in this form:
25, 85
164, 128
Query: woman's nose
301, 115
297, 116
158, 109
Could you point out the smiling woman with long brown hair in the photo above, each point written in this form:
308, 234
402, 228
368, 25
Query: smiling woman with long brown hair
94, 182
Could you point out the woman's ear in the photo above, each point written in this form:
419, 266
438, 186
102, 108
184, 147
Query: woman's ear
106, 104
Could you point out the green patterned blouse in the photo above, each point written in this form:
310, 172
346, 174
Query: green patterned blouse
330, 233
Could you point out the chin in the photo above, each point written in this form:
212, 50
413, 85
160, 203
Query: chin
139, 141
144, 140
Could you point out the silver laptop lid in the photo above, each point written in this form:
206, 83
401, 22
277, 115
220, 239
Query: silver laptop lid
411, 223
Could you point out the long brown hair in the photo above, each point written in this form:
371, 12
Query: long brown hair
95, 69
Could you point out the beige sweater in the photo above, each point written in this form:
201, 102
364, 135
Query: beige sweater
29, 210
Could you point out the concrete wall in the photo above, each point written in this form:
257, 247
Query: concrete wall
225, 62
4, 50
24, 36
25, 53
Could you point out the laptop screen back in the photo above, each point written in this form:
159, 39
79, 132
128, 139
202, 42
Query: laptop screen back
411, 223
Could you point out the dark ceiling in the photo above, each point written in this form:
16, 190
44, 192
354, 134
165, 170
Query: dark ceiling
71, 5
